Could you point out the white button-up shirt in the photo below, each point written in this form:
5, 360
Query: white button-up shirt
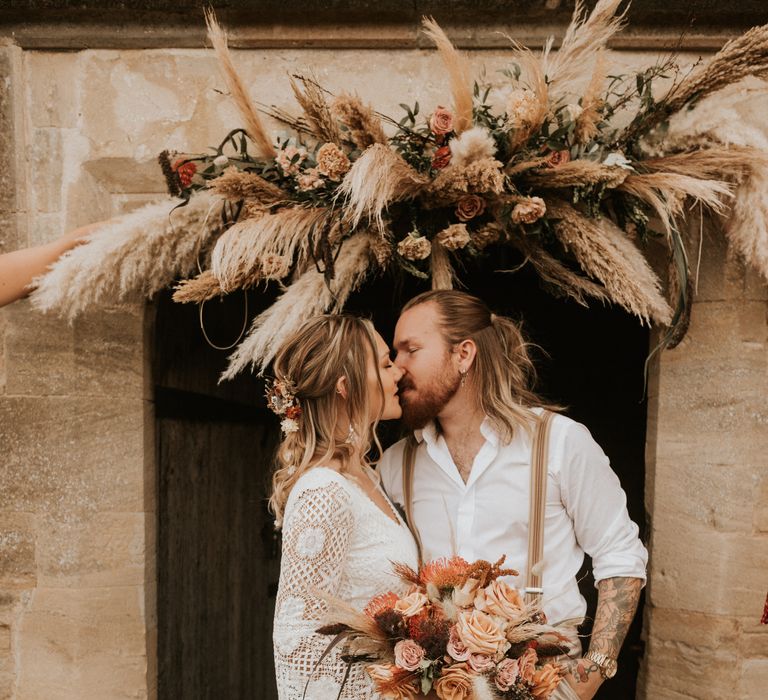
488, 516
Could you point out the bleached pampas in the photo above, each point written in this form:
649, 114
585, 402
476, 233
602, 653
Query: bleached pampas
130, 257
308, 296
585, 38
378, 177
482, 689
239, 254
605, 253
253, 124
747, 224
459, 74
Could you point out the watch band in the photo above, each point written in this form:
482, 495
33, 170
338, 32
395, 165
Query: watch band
606, 664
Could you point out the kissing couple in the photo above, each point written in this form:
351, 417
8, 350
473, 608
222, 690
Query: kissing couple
461, 381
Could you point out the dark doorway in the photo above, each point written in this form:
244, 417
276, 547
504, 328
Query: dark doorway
217, 558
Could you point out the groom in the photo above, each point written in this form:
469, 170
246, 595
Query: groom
465, 393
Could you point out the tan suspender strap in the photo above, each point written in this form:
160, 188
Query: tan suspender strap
538, 502
409, 460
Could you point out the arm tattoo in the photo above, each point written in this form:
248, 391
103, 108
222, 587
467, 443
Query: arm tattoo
616, 605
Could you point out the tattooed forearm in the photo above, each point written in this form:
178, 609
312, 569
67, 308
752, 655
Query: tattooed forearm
616, 605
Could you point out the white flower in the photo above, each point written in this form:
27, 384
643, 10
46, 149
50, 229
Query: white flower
221, 161
618, 159
474, 144
289, 425
573, 111
310, 542
521, 107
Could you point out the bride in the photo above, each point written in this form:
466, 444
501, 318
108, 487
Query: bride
334, 382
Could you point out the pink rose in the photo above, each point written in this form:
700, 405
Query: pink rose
408, 654
506, 674
481, 663
469, 207
558, 158
457, 650
527, 665
441, 121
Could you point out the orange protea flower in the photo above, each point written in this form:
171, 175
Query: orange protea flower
394, 683
385, 601
444, 573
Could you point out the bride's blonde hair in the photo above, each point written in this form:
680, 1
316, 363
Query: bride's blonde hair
311, 362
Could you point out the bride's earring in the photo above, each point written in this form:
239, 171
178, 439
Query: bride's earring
351, 435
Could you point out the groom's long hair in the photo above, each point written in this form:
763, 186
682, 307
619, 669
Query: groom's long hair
502, 374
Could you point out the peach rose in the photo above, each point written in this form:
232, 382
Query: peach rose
441, 121
464, 596
481, 663
558, 158
409, 654
545, 680
469, 207
506, 674
412, 604
528, 211
499, 598
393, 683
441, 158
480, 632
527, 664
455, 683
456, 649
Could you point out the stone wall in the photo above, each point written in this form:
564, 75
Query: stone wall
79, 132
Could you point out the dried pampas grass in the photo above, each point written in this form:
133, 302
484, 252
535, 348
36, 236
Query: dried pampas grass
604, 252
198, 289
376, 179
744, 56
747, 225
364, 125
441, 269
584, 40
311, 97
713, 162
234, 184
306, 297
239, 254
129, 257
586, 127
482, 689
531, 71
253, 124
577, 173
459, 74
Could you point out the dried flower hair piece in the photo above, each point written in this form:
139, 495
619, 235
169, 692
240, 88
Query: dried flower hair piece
282, 401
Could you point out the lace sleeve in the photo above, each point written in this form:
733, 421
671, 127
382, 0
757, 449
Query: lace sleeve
315, 543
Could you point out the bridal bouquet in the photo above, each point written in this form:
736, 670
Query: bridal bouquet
460, 631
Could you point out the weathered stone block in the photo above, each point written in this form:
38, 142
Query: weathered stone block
17, 552
53, 92
83, 643
106, 549
754, 679
73, 456
46, 158
761, 506
99, 354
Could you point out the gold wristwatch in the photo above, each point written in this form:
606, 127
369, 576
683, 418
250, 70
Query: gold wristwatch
606, 664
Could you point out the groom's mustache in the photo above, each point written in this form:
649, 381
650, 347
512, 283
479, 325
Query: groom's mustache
405, 383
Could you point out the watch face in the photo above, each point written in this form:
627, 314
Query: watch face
610, 668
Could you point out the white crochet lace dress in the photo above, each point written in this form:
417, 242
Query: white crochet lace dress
337, 540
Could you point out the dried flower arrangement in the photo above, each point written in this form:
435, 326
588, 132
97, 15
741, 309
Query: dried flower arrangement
580, 172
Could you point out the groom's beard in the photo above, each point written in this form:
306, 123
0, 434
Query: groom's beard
422, 405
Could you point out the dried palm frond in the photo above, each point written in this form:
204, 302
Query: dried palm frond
376, 179
459, 74
586, 127
577, 173
253, 124
237, 184
744, 56
666, 193
441, 270
312, 99
605, 253
585, 38
196, 289
129, 257
308, 296
239, 254
554, 274
364, 125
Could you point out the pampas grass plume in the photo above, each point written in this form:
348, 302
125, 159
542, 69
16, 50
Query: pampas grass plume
473, 145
